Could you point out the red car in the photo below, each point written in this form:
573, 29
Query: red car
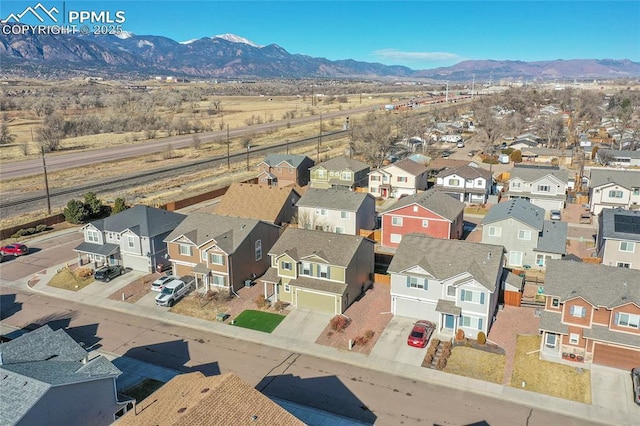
420, 334
14, 250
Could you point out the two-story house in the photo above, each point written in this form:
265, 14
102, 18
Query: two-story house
133, 238
520, 227
336, 210
431, 212
591, 314
221, 252
471, 185
544, 186
614, 188
318, 270
284, 170
339, 172
617, 157
262, 202
49, 379
454, 284
404, 177
618, 241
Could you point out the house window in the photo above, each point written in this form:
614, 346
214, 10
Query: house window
515, 184
636, 191
555, 302
551, 341
540, 259
472, 296
375, 178
93, 236
451, 291
323, 271
471, 322
425, 223
574, 338
396, 221
627, 320
279, 169
495, 231
287, 288
415, 282
544, 188
402, 179
373, 190
185, 249
623, 265
615, 194
218, 280
217, 259
578, 311
515, 258
203, 256
287, 266
454, 182
131, 242
346, 176
344, 215
628, 246
258, 249
415, 209
395, 238
321, 173
524, 234
339, 229
305, 269
321, 212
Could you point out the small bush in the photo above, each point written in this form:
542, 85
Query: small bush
441, 364
361, 340
428, 359
435, 342
432, 351
460, 334
279, 305
482, 338
41, 228
84, 272
369, 334
261, 302
446, 345
19, 233
339, 323
446, 352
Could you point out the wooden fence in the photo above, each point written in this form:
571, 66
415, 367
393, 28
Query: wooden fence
382, 279
48, 221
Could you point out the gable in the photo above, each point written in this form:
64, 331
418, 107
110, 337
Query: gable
417, 270
314, 258
547, 179
408, 211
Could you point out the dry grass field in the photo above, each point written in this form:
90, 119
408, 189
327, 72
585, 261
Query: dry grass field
476, 364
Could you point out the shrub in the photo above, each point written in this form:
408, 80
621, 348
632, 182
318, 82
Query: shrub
19, 233
361, 340
339, 323
369, 334
435, 342
41, 228
441, 364
279, 305
516, 156
446, 345
84, 272
459, 334
446, 353
260, 301
482, 338
75, 212
432, 351
428, 359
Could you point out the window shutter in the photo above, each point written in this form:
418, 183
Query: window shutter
481, 300
616, 318
584, 312
462, 295
408, 281
571, 310
426, 284
480, 323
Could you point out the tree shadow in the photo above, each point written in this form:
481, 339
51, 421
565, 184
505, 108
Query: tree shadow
323, 393
9, 306
173, 355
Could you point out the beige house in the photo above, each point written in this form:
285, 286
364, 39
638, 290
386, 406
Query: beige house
612, 188
319, 270
340, 173
618, 241
405, 177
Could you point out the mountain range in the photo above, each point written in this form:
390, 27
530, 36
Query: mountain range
230, 56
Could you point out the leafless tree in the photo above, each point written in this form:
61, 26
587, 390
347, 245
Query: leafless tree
373, 137
552, 127
51, 133
6, 137
196, 143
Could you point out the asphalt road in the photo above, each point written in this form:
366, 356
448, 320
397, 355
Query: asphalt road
358, 393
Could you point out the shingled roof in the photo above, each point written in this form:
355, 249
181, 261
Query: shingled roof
518, 209
334, 199
294, 160
255, 201
626, 178
144, 221
528, 173
445, 259
342, 163
439, 203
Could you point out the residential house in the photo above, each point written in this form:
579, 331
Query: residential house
617, 157
591, 314
404, 177
317, 270
618, 241
341, 173
197, 400
49, 379
544, 186
432, 213
550, 156
335, 210
284, 170
526, 141
469, 184
520, 227
454, 284
614, 188
262, 202
221, 252
133, 238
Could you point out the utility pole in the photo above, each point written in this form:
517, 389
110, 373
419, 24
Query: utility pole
319, 141
228, 143
46, 181
287, 146
446, 94
473, 85
248, 149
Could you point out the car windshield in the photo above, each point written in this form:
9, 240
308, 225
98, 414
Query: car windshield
167, 291
417, 334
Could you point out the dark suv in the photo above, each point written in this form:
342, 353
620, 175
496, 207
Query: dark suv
107, 272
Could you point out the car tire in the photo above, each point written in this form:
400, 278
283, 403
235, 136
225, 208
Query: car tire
170, 303
121, 271
107, 279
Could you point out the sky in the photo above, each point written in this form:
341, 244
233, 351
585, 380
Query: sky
417, 34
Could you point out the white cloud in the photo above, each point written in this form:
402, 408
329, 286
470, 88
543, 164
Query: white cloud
398, 55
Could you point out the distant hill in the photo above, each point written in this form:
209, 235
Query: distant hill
231, 56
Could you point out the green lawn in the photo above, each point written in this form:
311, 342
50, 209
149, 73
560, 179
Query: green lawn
258, 320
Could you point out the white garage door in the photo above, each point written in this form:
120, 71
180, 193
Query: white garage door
136, 263
548, 205
413, 308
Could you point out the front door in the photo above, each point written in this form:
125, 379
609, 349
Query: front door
448, 322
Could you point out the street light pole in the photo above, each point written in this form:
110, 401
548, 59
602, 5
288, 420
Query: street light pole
248, 148
46, 181
228, 143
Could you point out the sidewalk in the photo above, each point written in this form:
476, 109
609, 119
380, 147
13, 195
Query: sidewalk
391, 366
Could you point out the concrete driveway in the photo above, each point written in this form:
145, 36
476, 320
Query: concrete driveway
392, 344
611, 388
303, 324
101, 289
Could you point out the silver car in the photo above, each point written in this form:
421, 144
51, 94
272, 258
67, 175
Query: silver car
159, 284
555, 215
